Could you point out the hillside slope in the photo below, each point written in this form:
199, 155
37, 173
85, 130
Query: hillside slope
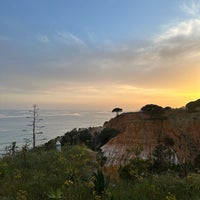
138, 129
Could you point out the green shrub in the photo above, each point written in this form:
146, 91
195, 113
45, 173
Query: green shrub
105, 135
135, 170
101, 182
45, 171
70, 175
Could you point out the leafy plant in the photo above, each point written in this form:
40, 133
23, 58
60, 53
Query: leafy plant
55, 194
163, 157
101, 182
3, 169
135, 170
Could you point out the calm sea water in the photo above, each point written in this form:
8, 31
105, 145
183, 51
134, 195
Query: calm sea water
13, 124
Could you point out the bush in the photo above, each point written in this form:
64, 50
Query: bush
193, 105
92, 141
153, 110
162, 158
135, 170
101, 182
46, 172
105, 135
168, 141
69, 175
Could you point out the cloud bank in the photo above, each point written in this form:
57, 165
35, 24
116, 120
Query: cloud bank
63, 63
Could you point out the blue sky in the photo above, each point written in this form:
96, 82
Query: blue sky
88, 54
105, 20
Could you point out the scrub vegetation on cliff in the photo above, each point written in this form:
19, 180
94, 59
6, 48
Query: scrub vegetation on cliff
81, 171
178, 128
76, 174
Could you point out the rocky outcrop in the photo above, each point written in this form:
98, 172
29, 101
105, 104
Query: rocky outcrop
139, 130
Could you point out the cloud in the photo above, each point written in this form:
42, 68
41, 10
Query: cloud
92, 37
160, 62
169, 61
192, 8
69, 38
189, 28
179, 46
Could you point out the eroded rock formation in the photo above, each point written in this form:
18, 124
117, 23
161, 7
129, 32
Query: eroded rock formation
138, 129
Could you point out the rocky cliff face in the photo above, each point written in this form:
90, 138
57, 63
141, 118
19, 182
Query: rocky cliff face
138, 129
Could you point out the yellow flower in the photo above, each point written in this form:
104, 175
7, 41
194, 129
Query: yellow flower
108, 194
22, 195
17, 174
91, 184
93, 178
189, 177
170, 196
62, 160
68, 182
97, 197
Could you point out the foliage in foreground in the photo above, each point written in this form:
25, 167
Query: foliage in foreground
74, 174
42, 174
163, 187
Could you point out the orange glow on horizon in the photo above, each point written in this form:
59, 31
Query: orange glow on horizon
128, 97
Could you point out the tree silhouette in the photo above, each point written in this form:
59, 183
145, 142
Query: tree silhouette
153, 110
193, 105
35, 119
117, 110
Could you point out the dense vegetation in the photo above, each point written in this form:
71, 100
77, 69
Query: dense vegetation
40, 174
153, 110
76, 174
193, 105
93, 140
78, 171
156, 111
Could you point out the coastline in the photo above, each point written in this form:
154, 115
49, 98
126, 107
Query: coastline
56, 122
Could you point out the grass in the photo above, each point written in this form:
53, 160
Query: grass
163, 187
39, 174
74, 174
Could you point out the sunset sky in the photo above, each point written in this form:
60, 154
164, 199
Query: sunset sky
99, 54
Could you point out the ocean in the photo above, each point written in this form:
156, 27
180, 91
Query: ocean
14, 124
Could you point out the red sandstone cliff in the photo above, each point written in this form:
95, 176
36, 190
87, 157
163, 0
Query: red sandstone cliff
138, 129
